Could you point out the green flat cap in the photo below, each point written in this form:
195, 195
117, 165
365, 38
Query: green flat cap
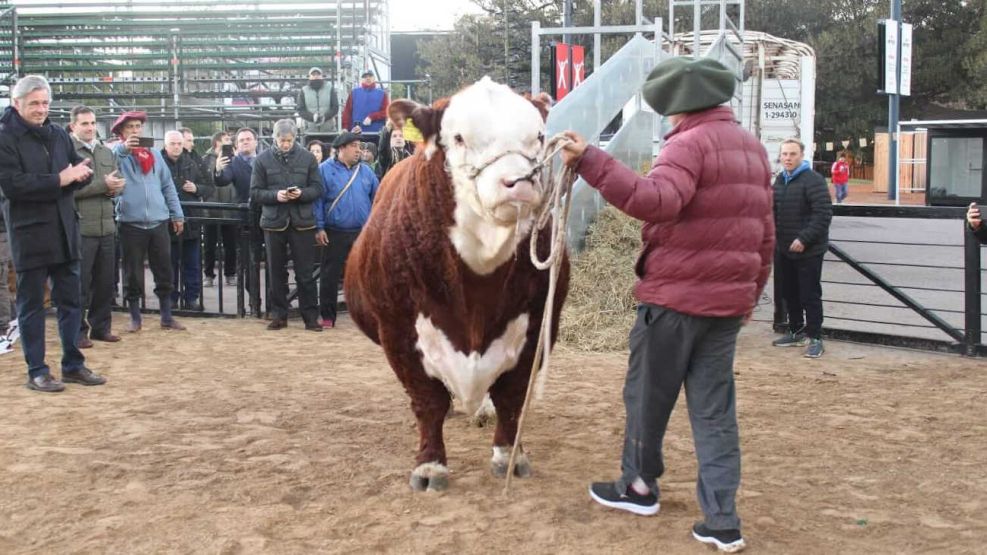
682, 84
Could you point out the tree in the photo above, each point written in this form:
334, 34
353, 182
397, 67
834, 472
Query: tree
949, 58
477, 45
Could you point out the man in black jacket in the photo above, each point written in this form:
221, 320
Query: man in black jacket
803, 212
193, 185
285, 182
39, 173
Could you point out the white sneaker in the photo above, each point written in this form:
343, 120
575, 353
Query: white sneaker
207, 282
230, 280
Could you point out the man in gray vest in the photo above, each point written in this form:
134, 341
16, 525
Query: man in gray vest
95, 205
317, 103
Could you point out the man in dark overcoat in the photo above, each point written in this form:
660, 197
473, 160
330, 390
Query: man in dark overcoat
39, 174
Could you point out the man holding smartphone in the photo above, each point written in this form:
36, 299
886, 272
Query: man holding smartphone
148, 205
218, 158
285, 182
973, 219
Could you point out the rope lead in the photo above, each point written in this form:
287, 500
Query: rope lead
559, 199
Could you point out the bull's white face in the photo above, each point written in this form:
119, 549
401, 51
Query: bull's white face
493, 141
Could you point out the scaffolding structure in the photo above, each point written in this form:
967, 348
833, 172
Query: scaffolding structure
191, 59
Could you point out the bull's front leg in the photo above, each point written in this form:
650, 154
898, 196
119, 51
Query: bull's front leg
507, 394
430, 402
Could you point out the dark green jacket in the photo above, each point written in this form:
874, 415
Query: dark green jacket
95, 208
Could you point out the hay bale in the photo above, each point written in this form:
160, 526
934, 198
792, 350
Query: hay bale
600, 308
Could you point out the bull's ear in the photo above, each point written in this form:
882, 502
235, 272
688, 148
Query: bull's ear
428, 119
543, 102
400, 109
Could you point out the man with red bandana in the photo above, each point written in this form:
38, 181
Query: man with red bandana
148, 204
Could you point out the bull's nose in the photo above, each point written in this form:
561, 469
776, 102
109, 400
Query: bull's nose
511, 183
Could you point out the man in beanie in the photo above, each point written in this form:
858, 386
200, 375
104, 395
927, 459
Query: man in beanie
708, 236
366, 108
317, 103
148, 205
39, 174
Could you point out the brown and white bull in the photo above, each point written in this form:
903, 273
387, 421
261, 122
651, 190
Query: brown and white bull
441, 276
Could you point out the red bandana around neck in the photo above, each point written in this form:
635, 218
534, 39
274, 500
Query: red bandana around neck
145, 159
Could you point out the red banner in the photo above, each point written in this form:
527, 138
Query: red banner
561, 71
568, 73
578, 66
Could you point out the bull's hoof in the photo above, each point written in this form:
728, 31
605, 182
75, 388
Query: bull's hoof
484, 416
502, 458
430, 477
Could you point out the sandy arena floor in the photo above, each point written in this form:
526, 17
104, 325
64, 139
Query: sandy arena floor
230, 439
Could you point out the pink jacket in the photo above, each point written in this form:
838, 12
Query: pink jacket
706, 204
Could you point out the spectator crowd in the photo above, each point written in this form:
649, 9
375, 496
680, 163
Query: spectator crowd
83, 216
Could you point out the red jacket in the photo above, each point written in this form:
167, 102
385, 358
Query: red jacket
708, 229
840, 172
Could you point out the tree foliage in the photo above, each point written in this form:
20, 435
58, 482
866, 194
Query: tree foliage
949, 59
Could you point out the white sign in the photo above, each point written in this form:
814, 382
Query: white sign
906, 60
890, 56
780, 114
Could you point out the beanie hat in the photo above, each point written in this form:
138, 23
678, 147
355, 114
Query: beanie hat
682, 84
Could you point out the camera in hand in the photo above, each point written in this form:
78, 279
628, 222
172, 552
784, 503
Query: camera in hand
227, 151
145, 142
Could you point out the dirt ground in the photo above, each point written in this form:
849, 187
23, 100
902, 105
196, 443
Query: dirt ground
230, 439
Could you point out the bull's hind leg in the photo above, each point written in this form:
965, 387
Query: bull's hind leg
507, 394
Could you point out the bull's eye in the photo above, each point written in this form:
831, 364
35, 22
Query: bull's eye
541, 137
459, 139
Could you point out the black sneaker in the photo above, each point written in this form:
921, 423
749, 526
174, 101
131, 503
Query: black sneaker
605, 493
729, 541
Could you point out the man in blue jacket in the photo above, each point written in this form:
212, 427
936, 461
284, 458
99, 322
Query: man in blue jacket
39, 174
349, 187
366, 108
148, 204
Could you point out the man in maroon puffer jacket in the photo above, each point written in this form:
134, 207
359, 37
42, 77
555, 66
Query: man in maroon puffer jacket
708, 239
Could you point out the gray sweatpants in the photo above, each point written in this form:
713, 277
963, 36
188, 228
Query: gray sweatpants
669, 348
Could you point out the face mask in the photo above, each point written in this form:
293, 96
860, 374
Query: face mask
315, 83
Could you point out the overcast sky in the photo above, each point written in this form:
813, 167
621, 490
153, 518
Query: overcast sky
417, 15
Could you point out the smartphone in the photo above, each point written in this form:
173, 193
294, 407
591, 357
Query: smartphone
227, 151
145, 142
293, 189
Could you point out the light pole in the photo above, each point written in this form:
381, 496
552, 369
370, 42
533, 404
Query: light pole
894, 102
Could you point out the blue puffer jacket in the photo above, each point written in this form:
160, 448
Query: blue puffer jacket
353, 209
149, 199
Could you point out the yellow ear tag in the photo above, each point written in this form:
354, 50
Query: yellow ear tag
412, 133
